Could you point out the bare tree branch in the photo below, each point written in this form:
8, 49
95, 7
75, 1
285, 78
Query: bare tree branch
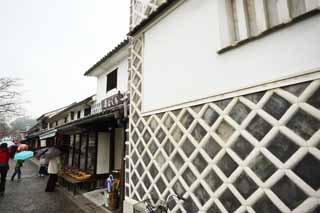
9, 104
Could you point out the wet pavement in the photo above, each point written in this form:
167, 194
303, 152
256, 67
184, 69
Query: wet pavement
28, 195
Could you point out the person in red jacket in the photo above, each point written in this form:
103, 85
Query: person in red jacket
5, 154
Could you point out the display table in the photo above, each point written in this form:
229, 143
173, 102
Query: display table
74, 183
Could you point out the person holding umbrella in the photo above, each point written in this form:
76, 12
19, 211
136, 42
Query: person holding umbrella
17, 170
53, 155
5, 154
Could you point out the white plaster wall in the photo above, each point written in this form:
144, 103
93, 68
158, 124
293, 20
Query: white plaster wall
181, 63
122, 80
119, 144
103, 157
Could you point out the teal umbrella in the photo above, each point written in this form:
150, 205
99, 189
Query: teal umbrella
24, 155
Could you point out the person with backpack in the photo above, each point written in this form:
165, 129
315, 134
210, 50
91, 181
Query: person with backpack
5, 155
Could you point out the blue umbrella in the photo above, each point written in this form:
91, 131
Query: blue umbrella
23, 155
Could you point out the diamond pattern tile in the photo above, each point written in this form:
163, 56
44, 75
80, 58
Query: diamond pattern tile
134, 179
153, 147
134, 157
154, 124
160, 159
227, 165
255, 97
229, 201
186, 119
304, 124
168, 147
169, 174
276, 106
200, 163
153, 171
258, 127
308, 169
239, 112
146, 136
189, 177
168, 122
223, 104
213, 180
242, 147
141, 191
178, 188
140, 126
245, 185
225, 130
289, 192
187, 147
210, 116
262, 167
177, 134
154, 195
213, 209
140, 169
160, 135
282, 147
211, 147
146, 181
265, 205
161, 185
190, 206
314, 100
198, 132
140, 147
178, 161
146, 158
296, 89
201, 194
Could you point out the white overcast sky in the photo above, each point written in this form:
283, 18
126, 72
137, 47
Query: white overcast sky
49, 44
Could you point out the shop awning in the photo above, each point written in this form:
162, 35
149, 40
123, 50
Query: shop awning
48, 134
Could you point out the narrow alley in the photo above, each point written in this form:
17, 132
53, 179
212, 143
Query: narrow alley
28, 195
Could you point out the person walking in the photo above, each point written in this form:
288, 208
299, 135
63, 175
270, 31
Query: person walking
17, 170
53, 169
5, 155
43, 167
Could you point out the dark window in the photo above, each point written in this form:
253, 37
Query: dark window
87, 111
65, 119
72, 115
112, 80
56, 123
50, 125
79, 114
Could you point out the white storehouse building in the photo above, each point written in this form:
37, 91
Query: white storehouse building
225, 105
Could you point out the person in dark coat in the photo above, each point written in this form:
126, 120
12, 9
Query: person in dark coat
17, 170
5, 155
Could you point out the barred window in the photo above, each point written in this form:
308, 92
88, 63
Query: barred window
243, 19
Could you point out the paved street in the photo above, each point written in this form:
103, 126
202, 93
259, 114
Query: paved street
27, 194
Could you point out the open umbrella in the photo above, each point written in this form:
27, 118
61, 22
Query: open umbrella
23, 155
40, 152
23, 147
52, 152
9, 143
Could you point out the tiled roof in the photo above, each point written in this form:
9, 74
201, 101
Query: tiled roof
109, 55
153, 16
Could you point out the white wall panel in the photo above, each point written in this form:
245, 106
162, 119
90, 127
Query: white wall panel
174, 73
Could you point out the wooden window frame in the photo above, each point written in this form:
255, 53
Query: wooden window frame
112, 80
